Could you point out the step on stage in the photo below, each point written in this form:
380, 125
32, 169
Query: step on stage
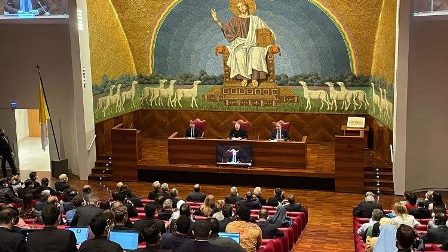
318, 172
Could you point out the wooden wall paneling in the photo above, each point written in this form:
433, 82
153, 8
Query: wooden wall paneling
381, 137
349, 164
125, 152
33, 123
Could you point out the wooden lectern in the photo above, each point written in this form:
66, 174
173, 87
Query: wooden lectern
126, 152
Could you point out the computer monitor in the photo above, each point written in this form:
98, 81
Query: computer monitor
128, 239
234, 155
233, 236
81, 233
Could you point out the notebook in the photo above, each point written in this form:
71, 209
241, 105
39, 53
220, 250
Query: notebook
233, 236
81, 233
128, 239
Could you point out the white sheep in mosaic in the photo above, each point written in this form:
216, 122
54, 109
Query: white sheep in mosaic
314, 95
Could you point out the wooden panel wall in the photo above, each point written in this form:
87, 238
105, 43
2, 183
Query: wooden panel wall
33, 123
349, 164
162, 123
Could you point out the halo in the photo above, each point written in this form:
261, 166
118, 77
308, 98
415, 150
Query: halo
234, 8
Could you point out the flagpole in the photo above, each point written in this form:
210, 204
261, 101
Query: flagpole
48, 108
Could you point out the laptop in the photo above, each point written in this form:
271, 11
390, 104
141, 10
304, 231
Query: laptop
233, 236
128, 239
81, 233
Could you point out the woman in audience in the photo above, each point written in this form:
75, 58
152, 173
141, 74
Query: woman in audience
280, 219
437, 201
386, 241
411, 200
218, 215
207, 208
27, 211
402, 216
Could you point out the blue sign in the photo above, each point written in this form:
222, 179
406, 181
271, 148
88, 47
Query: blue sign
13, 105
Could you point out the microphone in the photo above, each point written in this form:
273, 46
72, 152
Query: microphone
46, 12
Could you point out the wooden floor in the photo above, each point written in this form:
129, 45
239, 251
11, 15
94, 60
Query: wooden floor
320, 160
330, 214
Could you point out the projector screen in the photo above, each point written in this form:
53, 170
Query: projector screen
23, 9
234, 154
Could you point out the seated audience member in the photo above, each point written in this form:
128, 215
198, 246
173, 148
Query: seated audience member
192, 131
227, 212
27, 210
280, 219
237, 133
84, 214
201, 231
196, 195
50, 238
176, 212
386, 241
365, 207
206, 208
86, 192
53, 200
98, 226
279, 134
411, 201
131, 209
70, 214
16, 183
268, 230
420, 212
62, 184
33, 177
372, 233
105, 205
437, 201
184, 210
252, 202
167, 210
250, 233
165, 191
293, 206
177, 237
233, 196
402, 216
110, 217
121, 218
44, 186
9, 240
377, 214
174, 194
151, 235
218, 215
257, 193
439, 234
155, 192
405, 238
66, 201
435, 210
150, 211
7, 194
28, 188
428, 198
42, 202
277, 199
227, 243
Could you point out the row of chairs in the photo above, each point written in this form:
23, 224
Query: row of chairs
420, 230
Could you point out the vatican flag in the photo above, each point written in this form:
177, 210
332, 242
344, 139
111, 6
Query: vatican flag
43, 118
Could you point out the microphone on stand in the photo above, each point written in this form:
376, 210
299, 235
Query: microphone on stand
46, 12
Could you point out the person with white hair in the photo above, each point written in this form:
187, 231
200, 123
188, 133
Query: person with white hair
233, 197
257, 193
62, 184
155, 192
167, 210
196, 195
365, 207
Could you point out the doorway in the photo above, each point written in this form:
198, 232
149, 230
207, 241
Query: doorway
30, 153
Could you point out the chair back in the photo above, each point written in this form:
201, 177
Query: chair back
284, 125
243, 124
200, 124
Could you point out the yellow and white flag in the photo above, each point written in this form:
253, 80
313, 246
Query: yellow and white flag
43, 118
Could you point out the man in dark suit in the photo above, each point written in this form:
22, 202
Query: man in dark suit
257, 193
62, 184
50, 238
44, 186
365, 207
10, 241
84, 214
7, 194
440, 234
237, 132
279, 134
33, 178
277, 199
6, 153
224, 242
227, 212
233, 196
201, 231
294, 206
268, 230
192, 131
150, 211
151, 236
421, 212
178, 237
252, 202
98, 225
196, 195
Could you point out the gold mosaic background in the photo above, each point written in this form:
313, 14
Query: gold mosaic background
120, 32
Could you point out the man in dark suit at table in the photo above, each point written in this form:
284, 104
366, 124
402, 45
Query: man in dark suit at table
237, 132
279, 134
192, 131
6, 153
